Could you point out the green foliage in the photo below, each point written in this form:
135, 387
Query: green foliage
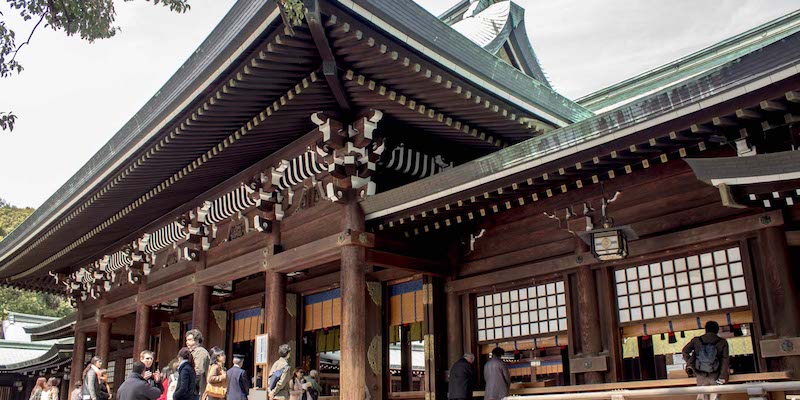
294, 11
19, 300
91, 20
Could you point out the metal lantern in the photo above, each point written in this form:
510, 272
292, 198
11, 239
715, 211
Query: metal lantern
609, 243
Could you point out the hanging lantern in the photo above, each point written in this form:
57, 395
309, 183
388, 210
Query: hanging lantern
609, 243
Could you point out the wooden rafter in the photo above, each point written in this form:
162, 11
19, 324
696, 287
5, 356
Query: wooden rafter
329, 67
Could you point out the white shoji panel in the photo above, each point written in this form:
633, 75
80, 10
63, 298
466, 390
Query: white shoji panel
522, 312
682, 286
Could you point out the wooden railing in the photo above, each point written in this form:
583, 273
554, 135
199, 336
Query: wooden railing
753, 390
651, 384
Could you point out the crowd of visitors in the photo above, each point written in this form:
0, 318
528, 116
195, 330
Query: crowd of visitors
195, 374
45, 389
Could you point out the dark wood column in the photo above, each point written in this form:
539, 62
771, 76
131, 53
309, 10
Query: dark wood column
353, 280
276, 312
141, 339
275, 300
587, 329
455, 345
168, 344
781, 298
103, 339
375, 335
201, 310
78, 355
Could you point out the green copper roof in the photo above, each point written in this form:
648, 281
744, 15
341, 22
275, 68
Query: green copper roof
692, 65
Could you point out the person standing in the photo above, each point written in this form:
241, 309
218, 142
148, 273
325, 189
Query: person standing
76, 393
172, 381
166, 372
50, 391
217, 377
238, 383
498, 379
194, 341
185, 388
279, 375
708, 357
153, 377
296, 384
136, 387
313, 389
91, 379
462, 378
36, 393
105, 390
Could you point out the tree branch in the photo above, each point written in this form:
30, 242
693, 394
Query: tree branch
29, 37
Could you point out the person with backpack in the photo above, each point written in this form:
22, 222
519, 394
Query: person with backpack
279, 375
707, 356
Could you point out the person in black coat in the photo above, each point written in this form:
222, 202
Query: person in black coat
238, 381
136, 387
462, 378
186, 377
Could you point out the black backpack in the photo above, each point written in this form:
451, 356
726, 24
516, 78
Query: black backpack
705, 358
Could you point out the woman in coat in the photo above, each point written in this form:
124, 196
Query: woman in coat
105, 390
217, 377
184, 390
50, 391
296, 388
36, 393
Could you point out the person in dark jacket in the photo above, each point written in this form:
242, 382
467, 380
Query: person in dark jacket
238, 381
186, 376
693, 350
136, 387
498, 379
151, 374
462, 378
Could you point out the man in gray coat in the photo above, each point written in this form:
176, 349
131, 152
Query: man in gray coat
497, 377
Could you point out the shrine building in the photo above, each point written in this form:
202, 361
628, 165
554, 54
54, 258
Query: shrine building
385, 190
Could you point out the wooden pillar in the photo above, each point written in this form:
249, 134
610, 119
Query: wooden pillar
141, 339
201, 310
455, 345
168, 345
406, 370
375, 335
276, 312
609, 323
588, 321
103, 339
353, 282
78, 355
781, 298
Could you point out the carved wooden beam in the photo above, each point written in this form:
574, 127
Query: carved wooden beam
329, 67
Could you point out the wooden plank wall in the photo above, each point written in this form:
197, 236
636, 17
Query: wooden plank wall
668, 198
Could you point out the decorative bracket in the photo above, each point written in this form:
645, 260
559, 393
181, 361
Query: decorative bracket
221, 318
351, 153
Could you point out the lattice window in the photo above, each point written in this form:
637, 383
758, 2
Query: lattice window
682, 286
522, 312
111, 365
128, 367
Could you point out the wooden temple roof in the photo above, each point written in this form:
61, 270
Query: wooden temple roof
727, 102
249, 91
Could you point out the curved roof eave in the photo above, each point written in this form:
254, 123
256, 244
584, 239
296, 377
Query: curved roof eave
229, 38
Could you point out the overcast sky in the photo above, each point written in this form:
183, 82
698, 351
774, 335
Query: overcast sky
73, 96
